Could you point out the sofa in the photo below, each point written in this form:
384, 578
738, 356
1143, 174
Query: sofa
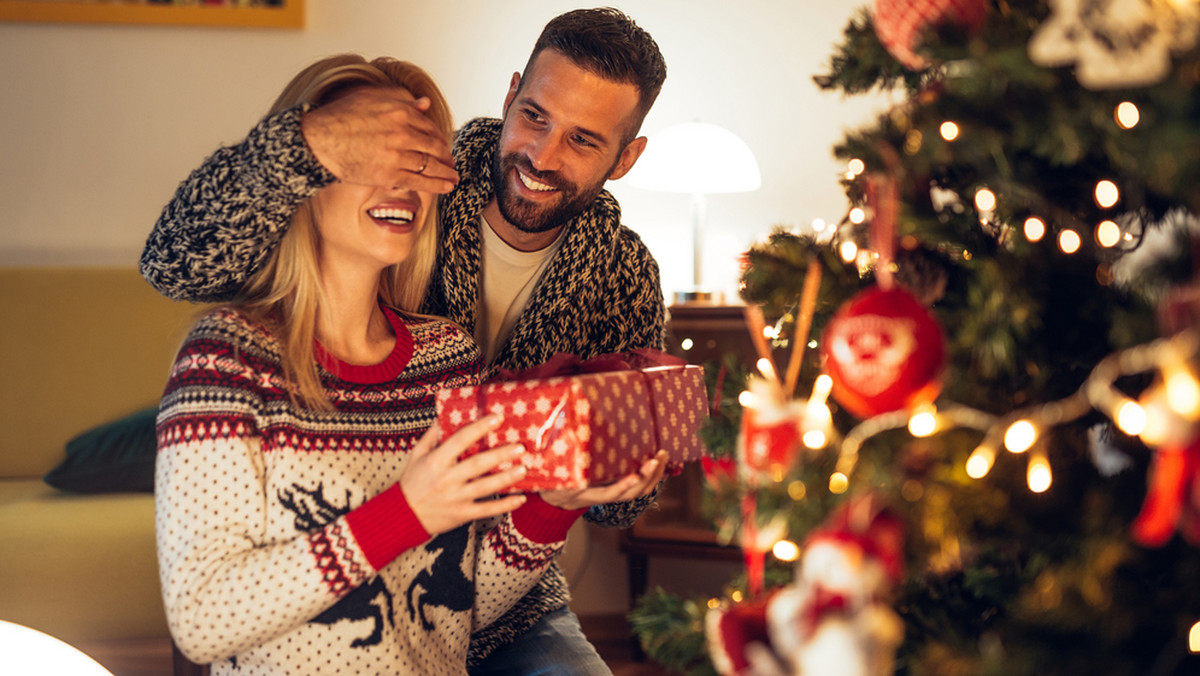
85, 355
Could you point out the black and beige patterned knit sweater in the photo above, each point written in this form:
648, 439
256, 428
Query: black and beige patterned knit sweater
601, 293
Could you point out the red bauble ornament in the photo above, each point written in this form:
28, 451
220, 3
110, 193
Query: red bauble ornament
899, 23
884, 352
771, 437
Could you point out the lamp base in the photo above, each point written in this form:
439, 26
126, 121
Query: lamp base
698, 297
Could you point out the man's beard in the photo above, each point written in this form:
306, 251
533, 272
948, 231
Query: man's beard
528, 216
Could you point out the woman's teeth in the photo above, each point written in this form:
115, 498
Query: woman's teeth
397, 216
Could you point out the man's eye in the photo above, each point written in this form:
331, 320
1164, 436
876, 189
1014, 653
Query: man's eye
585, 142
531, 115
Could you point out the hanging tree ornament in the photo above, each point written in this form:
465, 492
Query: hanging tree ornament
901, 23
883, 349
1115, 43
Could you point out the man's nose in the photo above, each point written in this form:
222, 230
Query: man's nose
544, 153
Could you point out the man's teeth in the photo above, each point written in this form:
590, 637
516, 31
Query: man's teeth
399, 216
534, 185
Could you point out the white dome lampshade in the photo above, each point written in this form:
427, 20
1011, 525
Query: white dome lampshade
29, 652
697, 158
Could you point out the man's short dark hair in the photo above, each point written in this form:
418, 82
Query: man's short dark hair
607, 42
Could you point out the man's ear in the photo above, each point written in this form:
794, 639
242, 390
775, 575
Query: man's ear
629, 155
513, 86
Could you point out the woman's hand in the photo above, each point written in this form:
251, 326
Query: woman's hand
446, 492
628, 488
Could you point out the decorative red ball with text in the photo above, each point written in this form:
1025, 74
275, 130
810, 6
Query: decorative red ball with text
900, 24
884, 351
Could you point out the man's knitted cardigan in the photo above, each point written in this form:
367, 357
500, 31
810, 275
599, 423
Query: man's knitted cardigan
601, 293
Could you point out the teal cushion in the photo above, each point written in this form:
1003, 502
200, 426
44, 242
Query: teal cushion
117, 457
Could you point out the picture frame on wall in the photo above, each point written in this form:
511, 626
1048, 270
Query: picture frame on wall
244, 13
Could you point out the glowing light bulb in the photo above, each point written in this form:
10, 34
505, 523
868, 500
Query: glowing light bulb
1127, 115
985, 200
1020, 436
923, 422
1035, 229
1131, 418
686, 344
857, 215
1069, 242
980, 462
1039, 477
848, 251
766, 368
1183, 392
1107, 193
948, 130
838, 483
1108, 234
746, 399
785, 550
736, 596
855, 167
1194, 638
815, 439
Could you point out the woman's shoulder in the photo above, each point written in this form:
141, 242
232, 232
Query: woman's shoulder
440, 339
230, 326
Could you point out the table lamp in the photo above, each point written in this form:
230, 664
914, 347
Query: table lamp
29, 652
700, 159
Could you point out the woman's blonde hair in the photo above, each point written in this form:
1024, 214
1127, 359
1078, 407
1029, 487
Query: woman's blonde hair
285, 293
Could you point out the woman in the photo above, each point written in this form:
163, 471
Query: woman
305, 524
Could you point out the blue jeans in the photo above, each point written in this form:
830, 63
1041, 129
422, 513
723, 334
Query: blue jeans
555, 646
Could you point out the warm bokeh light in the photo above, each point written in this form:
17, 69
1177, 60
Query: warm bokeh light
1127, 115
686, 344
746, 399
1131, 418
838, 483
1194, 638
1069, 241
1020, 436
848, 251
948, 130
1035, 229
985, 200
980, 462
923, 422
1108, 234
766, 368
797, 490
1039, 476
1107, 193
815, 439
857, 215
1183, 392
786, 550
855, 167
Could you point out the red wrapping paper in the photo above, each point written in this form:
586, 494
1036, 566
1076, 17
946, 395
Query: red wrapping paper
589, 428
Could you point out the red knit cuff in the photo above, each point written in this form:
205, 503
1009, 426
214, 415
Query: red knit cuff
385, 526
542, 522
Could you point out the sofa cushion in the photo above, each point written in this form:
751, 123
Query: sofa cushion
79, 567
117, 457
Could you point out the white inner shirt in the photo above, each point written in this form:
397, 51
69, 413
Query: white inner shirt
507, 278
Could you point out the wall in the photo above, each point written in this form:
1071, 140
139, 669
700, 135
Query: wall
101, 122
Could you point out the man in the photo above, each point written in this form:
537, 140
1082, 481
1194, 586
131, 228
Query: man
533, 259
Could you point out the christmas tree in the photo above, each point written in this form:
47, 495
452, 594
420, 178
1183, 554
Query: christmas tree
982, 456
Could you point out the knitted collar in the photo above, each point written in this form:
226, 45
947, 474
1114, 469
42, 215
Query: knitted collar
589, 238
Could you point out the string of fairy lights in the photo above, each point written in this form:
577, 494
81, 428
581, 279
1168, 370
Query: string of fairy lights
1169, 408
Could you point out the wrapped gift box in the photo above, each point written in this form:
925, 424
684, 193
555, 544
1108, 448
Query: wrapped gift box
586, 429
